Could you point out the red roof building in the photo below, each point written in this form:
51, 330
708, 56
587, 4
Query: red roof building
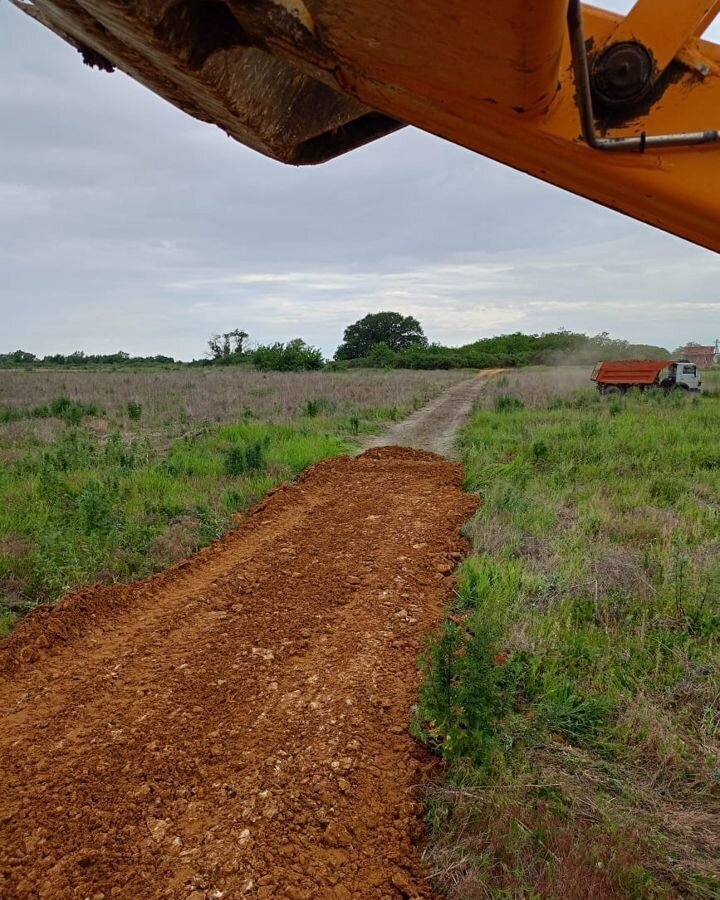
701, 356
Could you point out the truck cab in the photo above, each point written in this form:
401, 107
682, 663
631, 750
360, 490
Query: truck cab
683, 375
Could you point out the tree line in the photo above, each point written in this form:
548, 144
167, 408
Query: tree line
79, 359
378, 340
361, 347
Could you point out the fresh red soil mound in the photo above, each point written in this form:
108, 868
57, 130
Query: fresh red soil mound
237, 726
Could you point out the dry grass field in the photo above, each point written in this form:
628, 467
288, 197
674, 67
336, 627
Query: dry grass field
220, 394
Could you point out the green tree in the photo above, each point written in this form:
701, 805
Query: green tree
295, 356
21, 357
397, 331
227, 347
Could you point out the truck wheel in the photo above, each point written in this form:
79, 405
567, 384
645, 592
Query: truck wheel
612, 390
680, 387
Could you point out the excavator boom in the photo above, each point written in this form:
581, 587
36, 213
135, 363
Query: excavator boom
622, 110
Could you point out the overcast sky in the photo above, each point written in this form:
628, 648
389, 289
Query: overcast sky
125, 224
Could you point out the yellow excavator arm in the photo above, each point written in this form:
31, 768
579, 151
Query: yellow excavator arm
622, 110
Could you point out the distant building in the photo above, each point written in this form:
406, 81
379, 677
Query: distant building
701, 356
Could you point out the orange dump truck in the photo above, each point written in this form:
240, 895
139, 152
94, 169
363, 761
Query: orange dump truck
641, 374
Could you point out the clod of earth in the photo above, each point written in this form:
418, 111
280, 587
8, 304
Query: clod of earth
237, 725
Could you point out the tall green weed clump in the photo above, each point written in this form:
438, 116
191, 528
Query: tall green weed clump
469, 689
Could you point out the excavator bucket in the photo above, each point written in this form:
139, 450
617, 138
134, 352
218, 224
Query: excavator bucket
622, 110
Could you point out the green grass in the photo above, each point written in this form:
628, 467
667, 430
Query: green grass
96, 505
710, 379
575, 684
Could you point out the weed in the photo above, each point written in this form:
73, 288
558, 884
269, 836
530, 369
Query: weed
10, 414
255, 456
508, 403
7, 622
540, 450
72, 412
134, 410
568, 712
235, 461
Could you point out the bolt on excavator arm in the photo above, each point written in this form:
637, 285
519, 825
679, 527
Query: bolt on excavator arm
622, 110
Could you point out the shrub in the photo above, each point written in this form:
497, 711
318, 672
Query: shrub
381, 355
295, 356
540, 451
234, 461
94, 509
255, 456
59, 405
466, 692
134, 410
72, 412
74, 450
242, 459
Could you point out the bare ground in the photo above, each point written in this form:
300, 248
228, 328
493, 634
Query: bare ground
237, 726
434, 426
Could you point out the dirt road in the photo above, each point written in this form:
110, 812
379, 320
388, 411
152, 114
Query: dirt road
237, 725
434, 426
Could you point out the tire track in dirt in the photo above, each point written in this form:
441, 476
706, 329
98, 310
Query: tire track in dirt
237, 725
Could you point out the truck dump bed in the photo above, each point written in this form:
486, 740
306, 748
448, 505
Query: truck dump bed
629, 371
